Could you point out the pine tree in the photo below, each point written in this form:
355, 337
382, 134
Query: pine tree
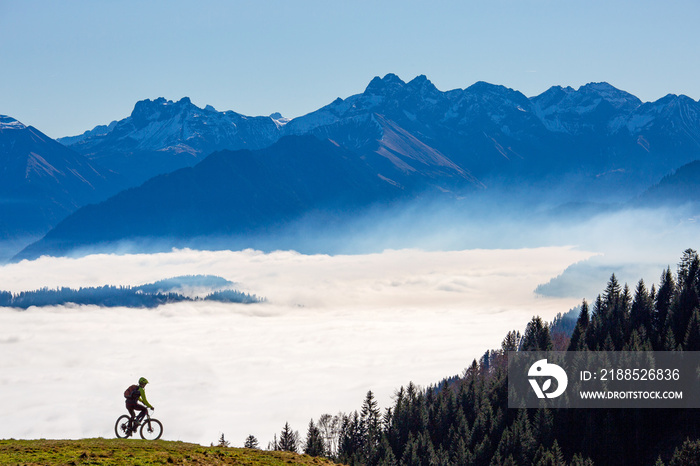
578, 460
511, 342
613, 313
426, 450
386, 454
689, 270
624, 316
460, 454
251, 442
595, 326
543, 427
370, 427
692, 335
669, 342
411, 454
274, 444
557, 454
641, 312
314, 445
289, 439
687, 454
577, 341
350, 443
611, 295
664, 298
536, 337
223, 442
688, 287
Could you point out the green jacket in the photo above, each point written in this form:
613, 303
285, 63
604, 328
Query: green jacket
143, 399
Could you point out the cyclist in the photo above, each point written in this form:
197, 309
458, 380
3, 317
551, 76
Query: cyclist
133, 395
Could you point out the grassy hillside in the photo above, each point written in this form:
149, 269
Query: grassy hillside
139, 452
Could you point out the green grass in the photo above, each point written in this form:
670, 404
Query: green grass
140, 452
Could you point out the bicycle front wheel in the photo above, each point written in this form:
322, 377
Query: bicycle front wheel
151, 429
121, 428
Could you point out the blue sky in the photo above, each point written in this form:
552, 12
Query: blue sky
66, 67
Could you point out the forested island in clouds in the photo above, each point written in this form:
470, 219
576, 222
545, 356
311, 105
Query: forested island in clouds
172, 290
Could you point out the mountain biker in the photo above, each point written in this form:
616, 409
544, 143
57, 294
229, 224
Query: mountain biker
133, 395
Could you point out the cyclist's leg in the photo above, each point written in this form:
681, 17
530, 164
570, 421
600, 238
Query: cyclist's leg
132, 420
143, 410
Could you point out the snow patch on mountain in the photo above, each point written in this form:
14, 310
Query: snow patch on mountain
279, 120
9, 123
565, 110
636, 123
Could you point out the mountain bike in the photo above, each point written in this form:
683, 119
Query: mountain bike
149, 428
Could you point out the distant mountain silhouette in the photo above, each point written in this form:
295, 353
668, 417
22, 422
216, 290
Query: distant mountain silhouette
41, 181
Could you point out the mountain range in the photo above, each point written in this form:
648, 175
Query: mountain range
161, 136
395, 141
596, 135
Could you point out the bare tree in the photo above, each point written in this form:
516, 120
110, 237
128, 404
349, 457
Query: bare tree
330, 430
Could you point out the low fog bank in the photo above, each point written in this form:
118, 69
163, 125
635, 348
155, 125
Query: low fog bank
647, 233
494, 218
632, 242
333, 328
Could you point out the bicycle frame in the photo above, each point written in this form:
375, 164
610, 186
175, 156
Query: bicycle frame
149, 428
138, 421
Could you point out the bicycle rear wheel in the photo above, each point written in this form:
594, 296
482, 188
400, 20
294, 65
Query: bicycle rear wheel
151, 429
121, 428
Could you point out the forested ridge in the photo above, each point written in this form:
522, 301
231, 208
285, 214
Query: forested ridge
144, 296
465, 420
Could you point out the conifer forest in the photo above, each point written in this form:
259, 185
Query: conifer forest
466, 420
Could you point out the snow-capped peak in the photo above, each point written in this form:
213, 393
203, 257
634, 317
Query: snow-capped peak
279, 119
616, 97
7, 122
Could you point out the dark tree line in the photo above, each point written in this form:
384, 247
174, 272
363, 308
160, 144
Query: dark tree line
466, 421
112, 296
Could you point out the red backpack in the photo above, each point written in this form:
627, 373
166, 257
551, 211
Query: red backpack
132, 392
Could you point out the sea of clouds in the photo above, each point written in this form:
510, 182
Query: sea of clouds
333, 328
